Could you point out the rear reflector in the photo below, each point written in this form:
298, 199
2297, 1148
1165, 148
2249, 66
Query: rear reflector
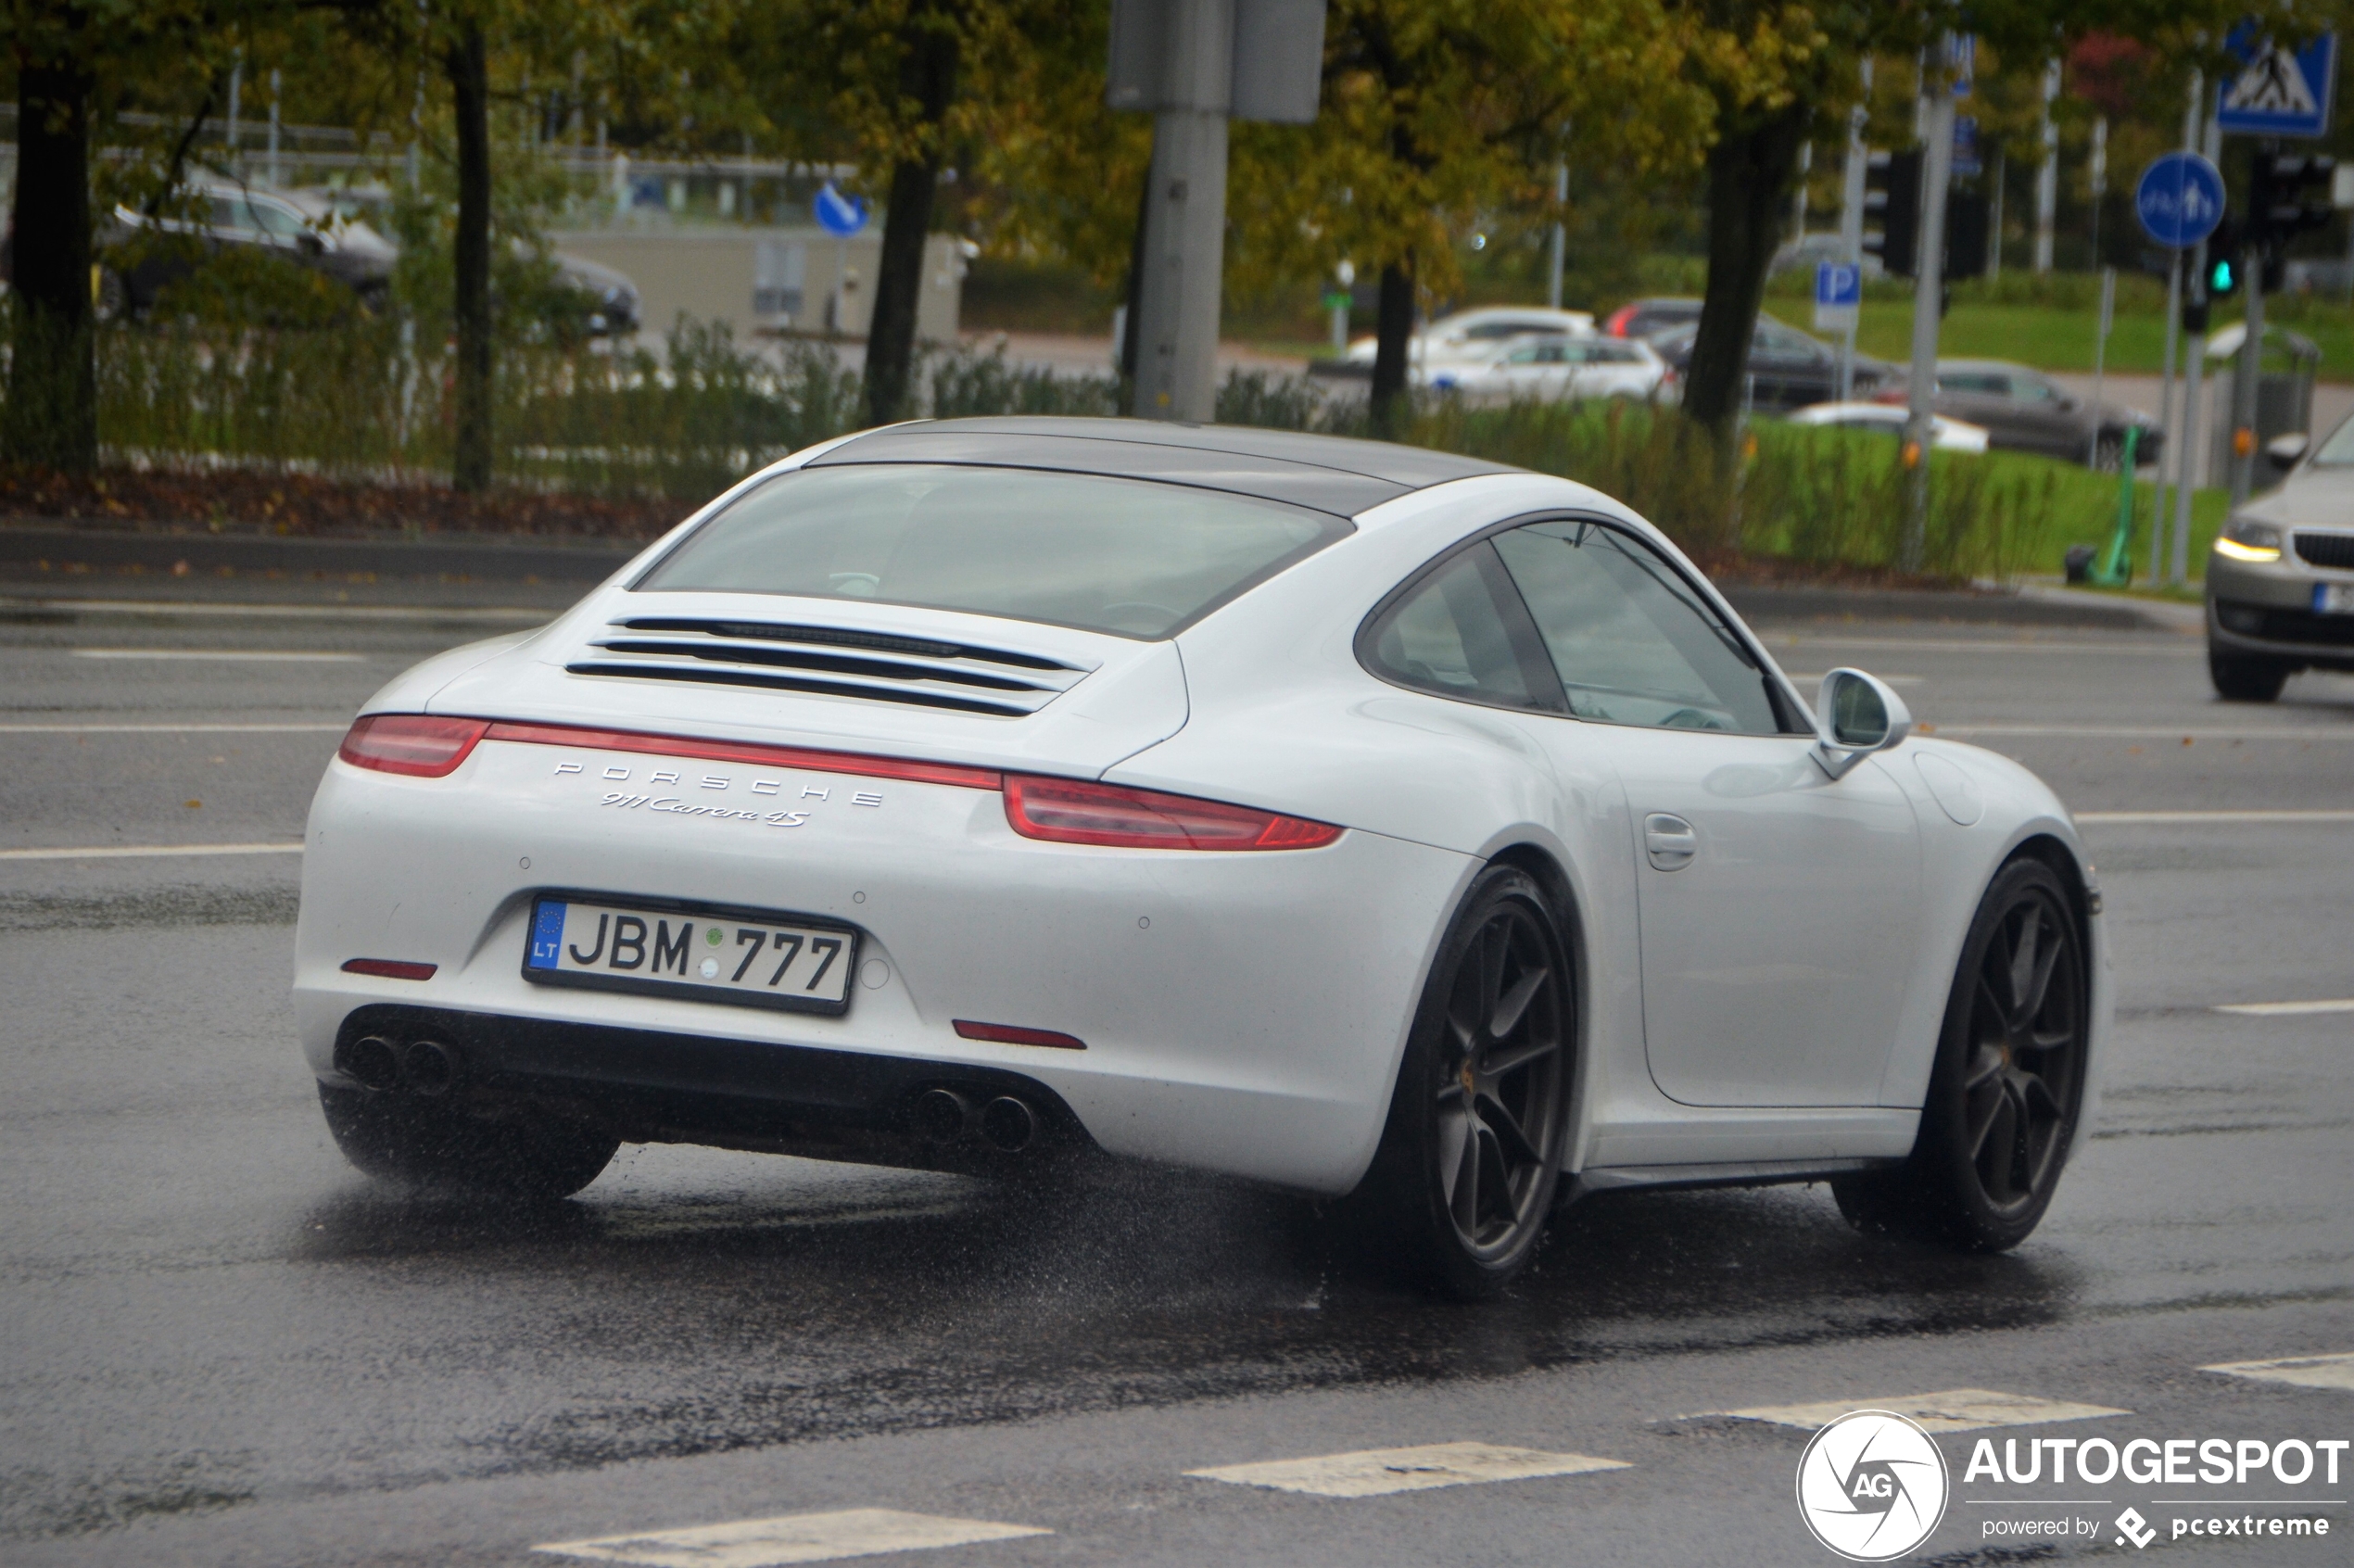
416, 744
745, 752
1007, 1034
1070, 811
388, 968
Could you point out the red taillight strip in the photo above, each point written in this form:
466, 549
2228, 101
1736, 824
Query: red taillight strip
744, 752
1010, 1035
389, 969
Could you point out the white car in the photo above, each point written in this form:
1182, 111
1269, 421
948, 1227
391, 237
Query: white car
1348, 817
1556, 367
1945, 435
1473, 335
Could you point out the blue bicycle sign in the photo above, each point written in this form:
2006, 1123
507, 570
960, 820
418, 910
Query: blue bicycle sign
2179, 199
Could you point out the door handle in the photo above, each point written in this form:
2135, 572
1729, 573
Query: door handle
1669, 840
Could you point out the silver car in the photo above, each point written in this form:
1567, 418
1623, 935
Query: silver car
2280, 579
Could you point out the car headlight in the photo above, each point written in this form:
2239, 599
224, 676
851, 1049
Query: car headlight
2244, 540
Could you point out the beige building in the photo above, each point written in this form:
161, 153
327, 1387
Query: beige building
800, 279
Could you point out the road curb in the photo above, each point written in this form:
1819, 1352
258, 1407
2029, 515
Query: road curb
2022, 607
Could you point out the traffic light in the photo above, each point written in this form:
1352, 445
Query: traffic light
2196, 303
1892, 199
2226, 263
1967, 233
2277, 211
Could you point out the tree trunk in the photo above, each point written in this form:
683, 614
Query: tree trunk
1750, 173
53, 378
927, 75
1394, 330
469, 85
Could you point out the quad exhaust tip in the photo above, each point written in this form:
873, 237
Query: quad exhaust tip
429, 1067
948, 1115
372, 1060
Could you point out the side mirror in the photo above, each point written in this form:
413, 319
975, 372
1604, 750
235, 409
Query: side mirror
1857, 715
2283, 451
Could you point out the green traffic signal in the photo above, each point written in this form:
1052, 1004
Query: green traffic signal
2222, 277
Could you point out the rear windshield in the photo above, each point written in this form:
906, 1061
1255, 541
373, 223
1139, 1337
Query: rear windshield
1126, 556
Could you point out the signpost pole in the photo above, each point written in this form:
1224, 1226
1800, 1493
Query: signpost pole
1851, 222
2170, 460
2100, 353
1928, 291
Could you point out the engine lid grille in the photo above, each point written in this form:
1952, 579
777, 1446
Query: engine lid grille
829, 661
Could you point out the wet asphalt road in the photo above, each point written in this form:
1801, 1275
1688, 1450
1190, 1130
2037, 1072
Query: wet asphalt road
219, 1345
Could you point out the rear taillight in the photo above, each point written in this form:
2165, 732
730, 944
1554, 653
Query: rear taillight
1616, 324
1070, 811
415, 745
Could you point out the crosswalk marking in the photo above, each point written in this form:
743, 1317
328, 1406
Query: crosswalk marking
1371, 1472
791, 1538
1954, 1410
2305, 1372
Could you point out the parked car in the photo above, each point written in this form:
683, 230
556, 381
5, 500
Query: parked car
1003, 795
220, 216
1945, 435
606, 300
2025, 410
1649, 318
1787, 369
2280, 578
1471, 335
1555, 368
1809, 251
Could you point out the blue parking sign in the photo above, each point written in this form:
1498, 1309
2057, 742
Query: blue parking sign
1839, 289
2282, 91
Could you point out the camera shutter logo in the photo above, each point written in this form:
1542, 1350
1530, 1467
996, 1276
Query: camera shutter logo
1872, 1486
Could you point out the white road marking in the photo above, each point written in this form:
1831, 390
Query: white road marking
2284, 1010
791, 1538
1372, 1472
1892, 680
2160, 818
217, 654
1955, 1410
144, 852
173, 729
2141, 731
287, 612
2305, 1372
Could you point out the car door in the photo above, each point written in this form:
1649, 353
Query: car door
1778, 906
1980, 397
2047, 419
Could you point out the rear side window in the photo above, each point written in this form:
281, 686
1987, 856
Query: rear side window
1455, 632
1126, 556
1632, 642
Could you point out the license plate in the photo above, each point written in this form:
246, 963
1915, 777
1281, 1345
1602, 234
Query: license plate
703, 953
2333, 598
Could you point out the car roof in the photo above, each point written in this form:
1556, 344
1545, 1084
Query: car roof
1326, 473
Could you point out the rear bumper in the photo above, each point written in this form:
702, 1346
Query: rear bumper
1242, 1013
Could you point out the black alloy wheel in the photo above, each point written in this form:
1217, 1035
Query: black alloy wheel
2008, 1083
1471, 1154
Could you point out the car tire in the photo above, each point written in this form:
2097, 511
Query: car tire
2247, 677
2008, 1085
2108, 452
423, 1143
1463, 1184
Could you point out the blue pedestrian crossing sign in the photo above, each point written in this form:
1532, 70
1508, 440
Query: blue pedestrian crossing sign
1839, 290
2179, 199
839, 215
2280, 92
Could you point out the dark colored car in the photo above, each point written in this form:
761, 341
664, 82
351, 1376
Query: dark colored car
224, 217
2025, 410
1787, 369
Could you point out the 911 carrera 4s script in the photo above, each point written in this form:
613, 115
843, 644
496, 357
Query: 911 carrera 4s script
711, 955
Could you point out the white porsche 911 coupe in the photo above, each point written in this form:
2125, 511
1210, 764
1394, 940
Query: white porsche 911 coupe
1344, 816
